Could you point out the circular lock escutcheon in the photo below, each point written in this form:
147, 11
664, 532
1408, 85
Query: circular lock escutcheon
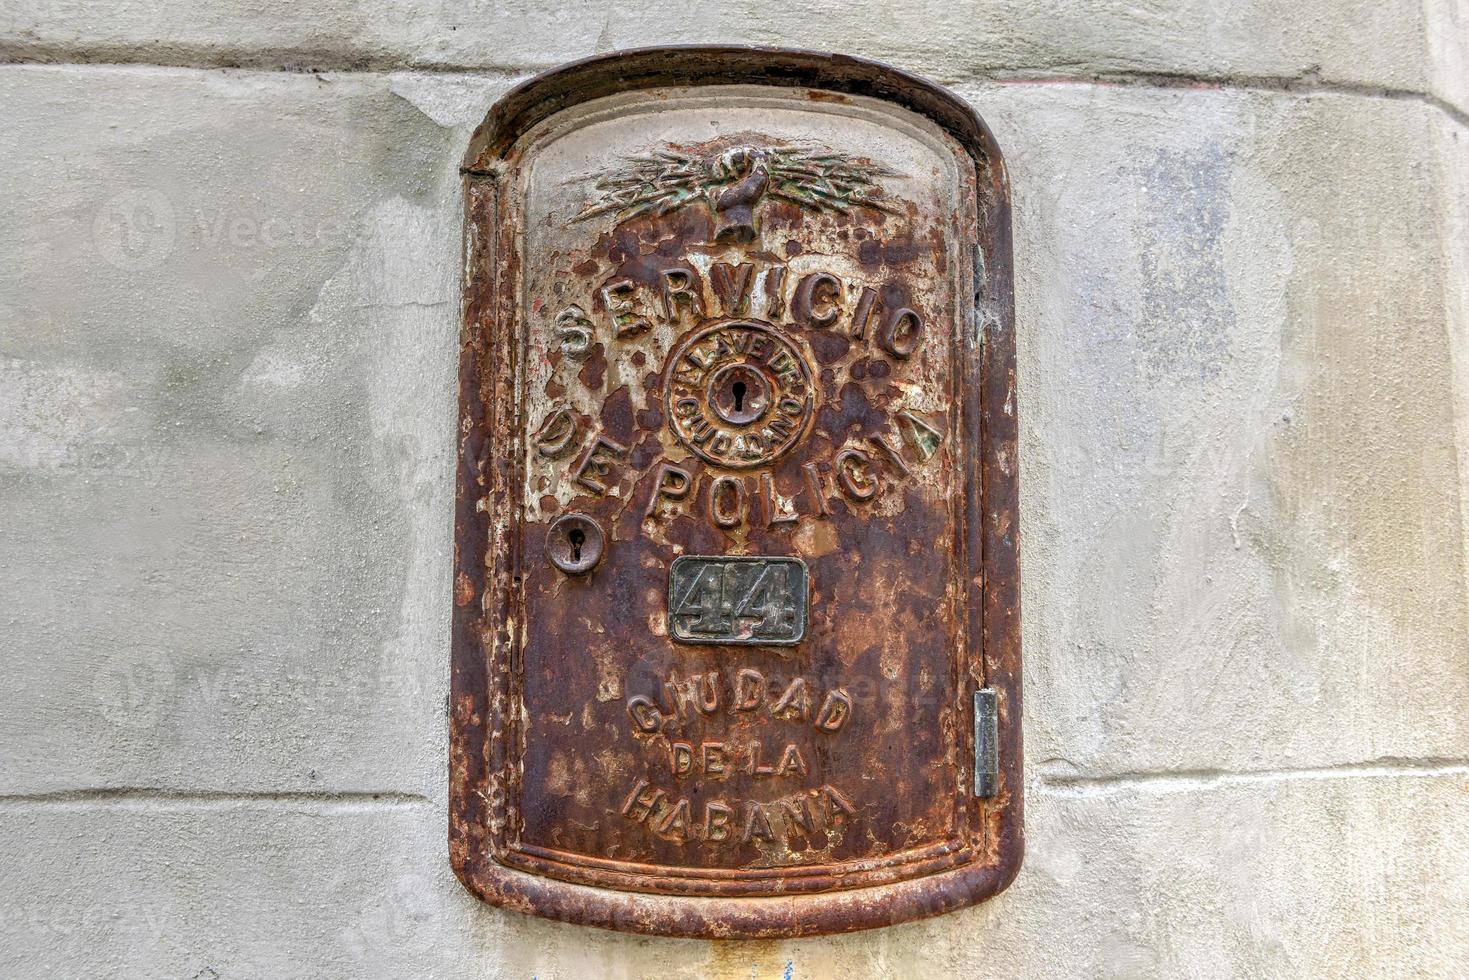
574, 543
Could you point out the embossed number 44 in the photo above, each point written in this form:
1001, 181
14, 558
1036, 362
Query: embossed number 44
715, 604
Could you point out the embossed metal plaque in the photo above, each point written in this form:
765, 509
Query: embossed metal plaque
737, 599
736, 639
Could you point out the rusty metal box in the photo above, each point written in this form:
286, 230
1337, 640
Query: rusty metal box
736, 637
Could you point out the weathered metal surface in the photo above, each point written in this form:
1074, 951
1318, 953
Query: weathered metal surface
736, 533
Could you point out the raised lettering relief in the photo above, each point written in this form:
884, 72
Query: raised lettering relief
734, 484
739, 394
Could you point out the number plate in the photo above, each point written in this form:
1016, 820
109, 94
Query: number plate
732, 599
736, 640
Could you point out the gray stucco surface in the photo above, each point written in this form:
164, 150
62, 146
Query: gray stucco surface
228, 328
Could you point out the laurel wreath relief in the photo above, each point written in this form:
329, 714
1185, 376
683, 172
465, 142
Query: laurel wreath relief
734, 180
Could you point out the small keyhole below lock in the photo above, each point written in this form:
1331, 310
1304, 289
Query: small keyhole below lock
577, 537
738, 388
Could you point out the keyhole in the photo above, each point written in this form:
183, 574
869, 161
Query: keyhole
738, 394
574, 543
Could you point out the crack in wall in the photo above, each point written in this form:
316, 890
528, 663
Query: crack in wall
1307, 84
152, 798
1192, 780
314, 61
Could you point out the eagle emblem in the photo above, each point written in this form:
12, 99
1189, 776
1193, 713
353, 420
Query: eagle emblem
734, 180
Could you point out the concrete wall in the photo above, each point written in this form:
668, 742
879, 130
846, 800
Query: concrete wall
229, 262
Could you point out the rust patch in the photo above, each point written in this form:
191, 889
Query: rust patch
759, 343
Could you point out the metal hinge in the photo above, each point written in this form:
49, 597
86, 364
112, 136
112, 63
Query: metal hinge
986, 742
